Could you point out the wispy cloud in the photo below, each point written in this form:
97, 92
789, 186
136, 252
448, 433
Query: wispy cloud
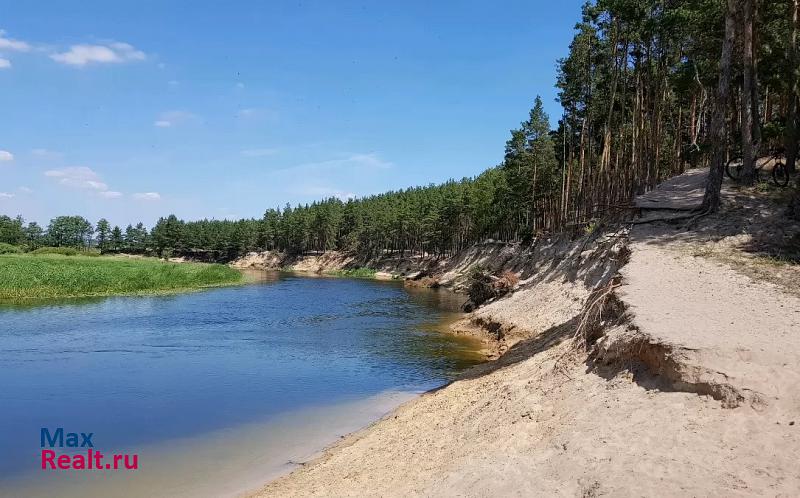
259, 152
247, 112
337, 177
86, 179
147, 196
80, 177
6, 156
11, 44
6, 195
369, 161
45, 153
111, 53
25, 190
256, 113
169, 119
4, 63
324, 192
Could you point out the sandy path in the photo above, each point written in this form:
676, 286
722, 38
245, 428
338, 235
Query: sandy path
745, 331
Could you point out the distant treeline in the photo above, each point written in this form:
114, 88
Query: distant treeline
501, 203
642, 97
74, 231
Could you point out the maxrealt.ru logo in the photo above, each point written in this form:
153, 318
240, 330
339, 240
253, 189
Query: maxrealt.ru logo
91, 459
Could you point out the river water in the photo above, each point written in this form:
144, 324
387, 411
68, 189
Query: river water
214, 391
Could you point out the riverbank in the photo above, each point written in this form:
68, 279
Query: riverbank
641, 364
31, 277
562, 270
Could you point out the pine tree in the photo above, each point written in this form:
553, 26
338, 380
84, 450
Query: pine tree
103, 231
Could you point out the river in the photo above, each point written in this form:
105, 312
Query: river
214, 391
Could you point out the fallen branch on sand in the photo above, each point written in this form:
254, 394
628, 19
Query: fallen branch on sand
592, 314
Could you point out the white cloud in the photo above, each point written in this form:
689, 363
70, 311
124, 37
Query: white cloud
6, 156
9, 44
82, 178
258, 152
111, 53
78, 177
94, 185
4, 63
25, 190
173, 118
6, 195
147, 196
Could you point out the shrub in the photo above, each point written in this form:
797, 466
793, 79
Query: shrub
9, 249
507, 281
66, 251
483, 286
354, 273
425, 282
479, 288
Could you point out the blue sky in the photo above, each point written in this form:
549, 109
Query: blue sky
136, 109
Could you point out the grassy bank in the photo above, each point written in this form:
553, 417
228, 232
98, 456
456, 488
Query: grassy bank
354, 273
50, 276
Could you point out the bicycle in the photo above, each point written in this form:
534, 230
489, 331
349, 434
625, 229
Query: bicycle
780, 174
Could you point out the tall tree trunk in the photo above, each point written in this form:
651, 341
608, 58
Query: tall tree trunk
748, 159
794, 91
754, 100
711, 199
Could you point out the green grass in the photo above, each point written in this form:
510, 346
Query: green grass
354, 273
52, 276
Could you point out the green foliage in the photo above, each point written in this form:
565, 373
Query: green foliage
116, 242
69, 231
355, 273
47, 276
103, 232
65, 251
11, 230
34, 235
531, 174
9, 249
